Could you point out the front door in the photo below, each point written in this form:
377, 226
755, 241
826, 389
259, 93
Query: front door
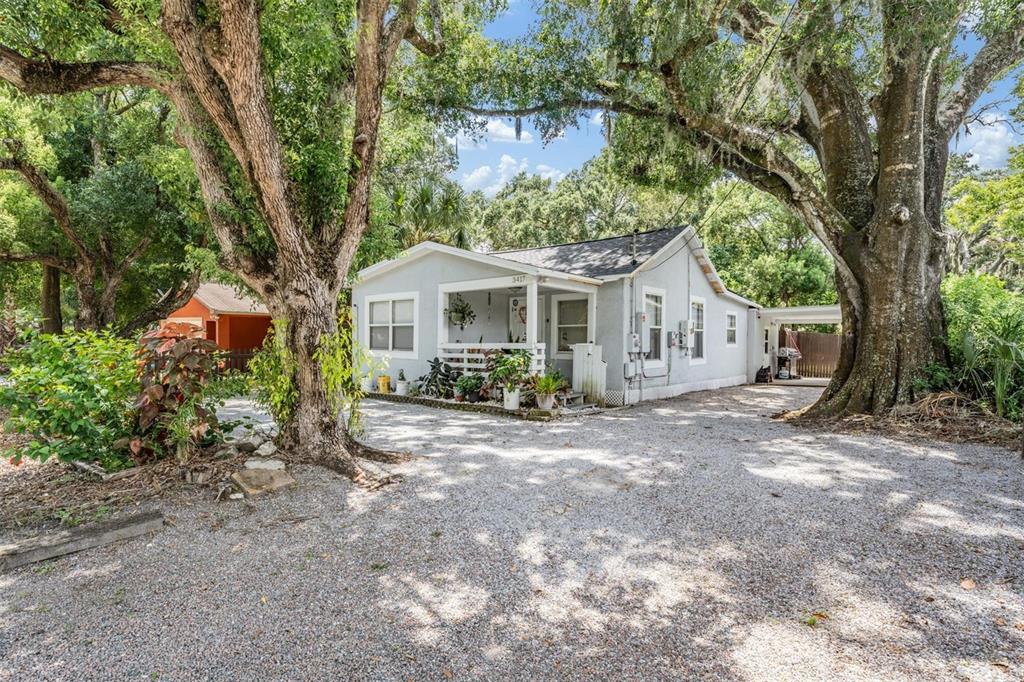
517, 318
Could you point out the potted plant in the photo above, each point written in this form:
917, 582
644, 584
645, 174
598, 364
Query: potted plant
367, 383
460, 312
508, 372
401, 386
547, 387
469, 385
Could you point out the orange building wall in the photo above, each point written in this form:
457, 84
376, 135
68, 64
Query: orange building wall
242, 332
192, 309
234, 332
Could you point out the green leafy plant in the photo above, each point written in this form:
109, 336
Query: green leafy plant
73, 394
509, 370
549, 384
439, 381
271, 373
460, 312
470, 383
341, 358
343, 361
177, 405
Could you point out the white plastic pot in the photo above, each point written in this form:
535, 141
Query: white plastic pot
366, 384
546, 401
401, 388
511, 398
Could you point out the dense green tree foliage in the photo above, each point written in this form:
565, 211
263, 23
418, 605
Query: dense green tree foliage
843, 111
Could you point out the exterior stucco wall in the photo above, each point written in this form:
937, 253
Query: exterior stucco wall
677, 274
680, 276
423, 275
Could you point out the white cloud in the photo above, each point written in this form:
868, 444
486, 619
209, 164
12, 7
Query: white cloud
597, 119
499, 131
988, 144
490, 180
476, 178
495, 130
549, 172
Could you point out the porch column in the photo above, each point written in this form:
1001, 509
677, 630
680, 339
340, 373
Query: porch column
592, 317
442, 320
531, 311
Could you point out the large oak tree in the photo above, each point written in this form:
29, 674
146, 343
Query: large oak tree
280, 106
843, 110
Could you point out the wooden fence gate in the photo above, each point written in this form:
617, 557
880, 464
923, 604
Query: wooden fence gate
820, 353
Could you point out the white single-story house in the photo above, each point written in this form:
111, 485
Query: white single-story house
627, 318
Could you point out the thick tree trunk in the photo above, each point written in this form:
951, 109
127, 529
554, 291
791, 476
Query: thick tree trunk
900, 328
317, 432
95, 311
52, 322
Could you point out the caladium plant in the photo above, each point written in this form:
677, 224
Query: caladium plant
176, 367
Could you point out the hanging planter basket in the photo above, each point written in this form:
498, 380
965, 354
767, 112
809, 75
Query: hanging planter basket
460, 312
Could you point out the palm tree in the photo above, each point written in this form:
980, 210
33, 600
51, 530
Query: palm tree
436, 211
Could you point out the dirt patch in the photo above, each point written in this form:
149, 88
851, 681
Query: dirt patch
35, 496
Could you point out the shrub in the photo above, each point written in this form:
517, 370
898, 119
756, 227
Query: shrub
469, 383
509, 370
439, 381
271, 375
181, 388
73, 394
985, 335
341, 359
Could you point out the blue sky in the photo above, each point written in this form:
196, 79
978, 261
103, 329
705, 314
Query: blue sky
490, 162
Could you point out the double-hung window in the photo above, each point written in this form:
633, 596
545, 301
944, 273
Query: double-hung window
697, 319
570, 322
654, 304
392, 324
730, 329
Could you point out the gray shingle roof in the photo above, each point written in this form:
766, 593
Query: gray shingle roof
596, 258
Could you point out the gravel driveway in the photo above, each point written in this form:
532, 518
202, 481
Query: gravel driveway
687, 538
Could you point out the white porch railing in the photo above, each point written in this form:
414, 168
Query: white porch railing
472, 357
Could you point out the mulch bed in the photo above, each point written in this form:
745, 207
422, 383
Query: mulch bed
36, 496
946, 416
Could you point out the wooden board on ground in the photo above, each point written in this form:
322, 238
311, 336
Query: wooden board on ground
51, 545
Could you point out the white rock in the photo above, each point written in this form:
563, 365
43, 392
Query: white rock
266, 450
265, 464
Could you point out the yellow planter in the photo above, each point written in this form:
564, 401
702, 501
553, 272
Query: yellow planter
384, 384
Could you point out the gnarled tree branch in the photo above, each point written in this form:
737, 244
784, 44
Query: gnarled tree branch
1001, 52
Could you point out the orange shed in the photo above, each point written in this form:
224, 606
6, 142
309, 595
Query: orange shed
234, 321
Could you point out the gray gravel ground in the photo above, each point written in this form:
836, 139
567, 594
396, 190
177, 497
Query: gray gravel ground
687, 538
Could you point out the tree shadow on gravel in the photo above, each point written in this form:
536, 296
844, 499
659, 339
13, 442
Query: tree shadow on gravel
682, 539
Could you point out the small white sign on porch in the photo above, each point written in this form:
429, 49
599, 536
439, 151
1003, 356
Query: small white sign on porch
517, 317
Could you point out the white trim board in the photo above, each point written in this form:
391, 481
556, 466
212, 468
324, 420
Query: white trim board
703, 360
672, 390
424, 248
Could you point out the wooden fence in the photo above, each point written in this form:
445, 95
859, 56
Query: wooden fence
238, 359
820, 353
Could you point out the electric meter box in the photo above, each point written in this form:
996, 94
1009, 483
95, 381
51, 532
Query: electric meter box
634, 343
643, 326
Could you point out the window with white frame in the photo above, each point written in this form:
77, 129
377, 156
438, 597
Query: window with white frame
730, 329
570, 321
697, 318
392, 324
654, 302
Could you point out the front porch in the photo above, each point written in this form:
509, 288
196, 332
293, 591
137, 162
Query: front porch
541, 315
